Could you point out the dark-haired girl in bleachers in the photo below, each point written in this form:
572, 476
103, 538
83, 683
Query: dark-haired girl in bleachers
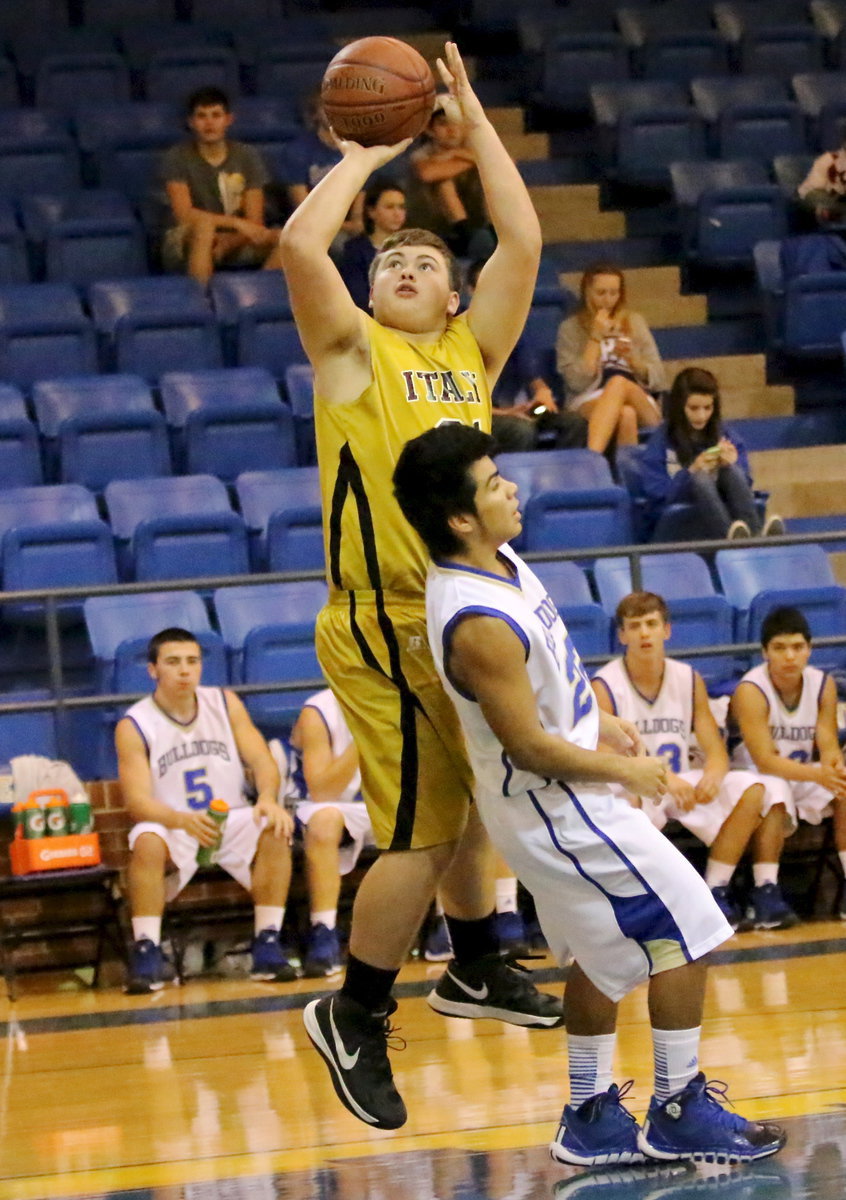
694, 458
384, 214
609, 362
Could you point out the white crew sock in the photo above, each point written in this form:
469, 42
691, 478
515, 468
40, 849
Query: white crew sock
764, 873
147, 927
589, 1065
269, 916
676, 1054
506, 895
327, 917
841, 854
718, 874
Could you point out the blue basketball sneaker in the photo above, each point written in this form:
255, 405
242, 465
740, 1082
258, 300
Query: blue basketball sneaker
769, 909
438, 947
512, 934
727, 906
148, 970
323, 954
694, 1125
599, 1131
269, 962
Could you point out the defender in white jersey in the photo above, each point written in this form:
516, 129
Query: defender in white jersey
785, 713
178, 750
607, 886
727, 810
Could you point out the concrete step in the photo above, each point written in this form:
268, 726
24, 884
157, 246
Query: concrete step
529, 147
570, 213
744, 391
655, 292
508, 120
802, 482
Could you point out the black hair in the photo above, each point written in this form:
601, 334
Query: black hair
173, 634
782, 621
432, 482
374, 193
692, 381
207, 97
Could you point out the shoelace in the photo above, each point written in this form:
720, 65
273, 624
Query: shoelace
715, 1092
622, 1091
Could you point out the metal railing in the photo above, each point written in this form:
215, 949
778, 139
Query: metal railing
51, 598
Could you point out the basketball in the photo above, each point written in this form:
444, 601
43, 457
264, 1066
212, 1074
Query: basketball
377, 91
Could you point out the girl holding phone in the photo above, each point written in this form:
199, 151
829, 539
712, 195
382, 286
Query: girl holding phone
693, 457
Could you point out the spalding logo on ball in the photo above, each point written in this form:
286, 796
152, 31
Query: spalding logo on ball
377, 91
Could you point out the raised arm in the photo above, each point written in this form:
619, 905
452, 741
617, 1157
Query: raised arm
330, 326
503, 295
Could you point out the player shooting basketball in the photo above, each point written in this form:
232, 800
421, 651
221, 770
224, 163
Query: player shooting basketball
379, 381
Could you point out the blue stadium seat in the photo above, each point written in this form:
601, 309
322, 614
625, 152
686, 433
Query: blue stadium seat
299, 388
150, 326
63, 80
105, 13
573, 63
33, 41
822, 97
563, 495
608, 102
586, 621
277, 75
814, 315
181, 527
48, 556
258, 327
20, 452
9, 94
540, 332
99, 428
229, 418
141, 41
269, 633
267, 122
681, 55
83, 236
713, 95
50, 504
283, 514
230, 12
699, 615
14, 267
27, 732
781, 50
761, 131
648, 142
43, 333
725, 208
788, 171
757, 579
174, 73
37, 153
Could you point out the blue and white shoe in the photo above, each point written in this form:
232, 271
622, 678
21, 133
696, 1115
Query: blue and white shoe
148, 970
769, 909
599, 1132
626, 1183
694, 1125
268, 960
512, 935
323, 954
438, 947
727, 906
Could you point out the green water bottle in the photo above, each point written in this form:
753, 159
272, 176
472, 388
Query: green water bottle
79, 814
218, 810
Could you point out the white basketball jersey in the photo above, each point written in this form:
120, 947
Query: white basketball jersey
192, 764
565, 700
666, 723
793, 730
339, 736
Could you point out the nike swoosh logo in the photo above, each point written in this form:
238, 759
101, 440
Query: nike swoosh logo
346, 1060
477, 993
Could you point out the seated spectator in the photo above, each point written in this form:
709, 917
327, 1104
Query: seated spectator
785, 713
384, 214
823, 190
214, 189
178, 749
694, 458
333, 818
444, 190
526, 415
728, 810
609, 362
312, 155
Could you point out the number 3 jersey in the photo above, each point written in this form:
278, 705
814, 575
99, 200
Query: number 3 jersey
195, 763
565, 702
665, 724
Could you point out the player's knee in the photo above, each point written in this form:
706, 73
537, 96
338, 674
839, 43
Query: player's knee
325, 828
149, 853
273, 849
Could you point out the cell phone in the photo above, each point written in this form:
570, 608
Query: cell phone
713, 450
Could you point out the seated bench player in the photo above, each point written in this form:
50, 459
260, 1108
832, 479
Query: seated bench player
607, 886
178, 749
785, 712
727, 810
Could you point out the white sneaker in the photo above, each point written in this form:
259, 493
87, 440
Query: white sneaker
773, 527
737, 530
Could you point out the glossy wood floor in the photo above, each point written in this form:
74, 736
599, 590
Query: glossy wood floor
212, 1090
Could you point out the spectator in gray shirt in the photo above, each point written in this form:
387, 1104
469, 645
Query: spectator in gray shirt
214, 188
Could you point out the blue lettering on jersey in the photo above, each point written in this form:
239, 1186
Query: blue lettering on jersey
200, 746
793, 733
547, 614
582, 691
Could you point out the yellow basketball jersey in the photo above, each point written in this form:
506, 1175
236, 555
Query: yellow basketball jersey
369, 544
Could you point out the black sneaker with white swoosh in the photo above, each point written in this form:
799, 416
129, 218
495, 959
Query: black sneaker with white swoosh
354, 1045
495, 986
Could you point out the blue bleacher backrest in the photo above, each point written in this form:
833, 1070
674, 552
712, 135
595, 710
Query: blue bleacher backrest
586, 621
47, 505
261, 494
112, 620
572, 63
649, 141
187, 392
815, 314
48, 556
299, 388
96, 448
57, 400
177, 71
242, 609
681, 55
43, 333
744, 573
62, 80
27, 732
761, 130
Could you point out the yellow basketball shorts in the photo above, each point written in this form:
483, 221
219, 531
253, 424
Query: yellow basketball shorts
415, 776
